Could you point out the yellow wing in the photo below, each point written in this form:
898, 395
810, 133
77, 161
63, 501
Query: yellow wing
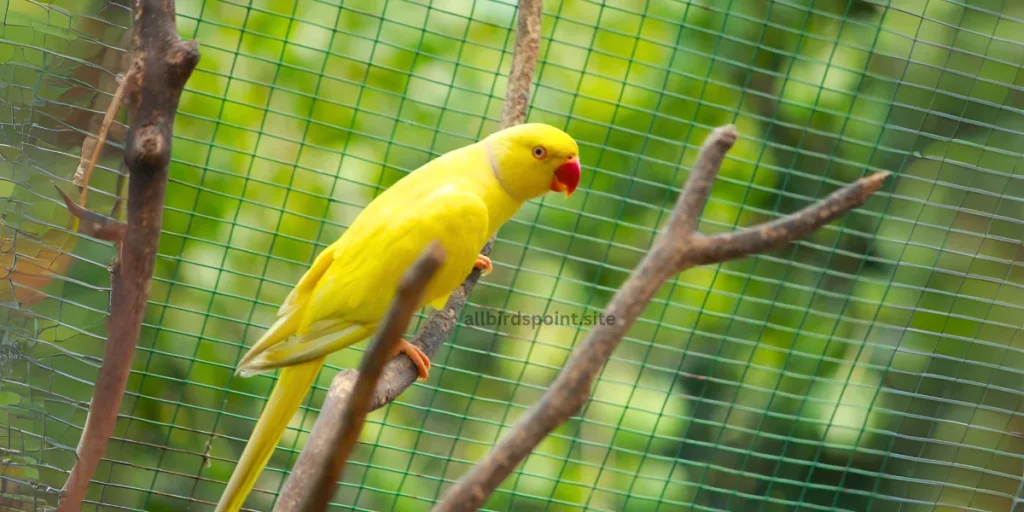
366, 270
349, 288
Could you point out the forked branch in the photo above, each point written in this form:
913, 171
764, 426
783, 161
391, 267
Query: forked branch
676, 249
162, 63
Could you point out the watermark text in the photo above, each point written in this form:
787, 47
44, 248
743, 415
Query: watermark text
492, 318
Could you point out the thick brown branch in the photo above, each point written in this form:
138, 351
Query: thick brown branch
162, 64
679, 247
314, 478
400, 373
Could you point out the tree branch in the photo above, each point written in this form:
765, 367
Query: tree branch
83, 174
695, 193
676, 249
524, 63
780, 232
400, 373
315, 476
162, 64
94, 224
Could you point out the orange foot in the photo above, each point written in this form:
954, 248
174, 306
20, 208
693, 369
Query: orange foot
417, 356
483, 263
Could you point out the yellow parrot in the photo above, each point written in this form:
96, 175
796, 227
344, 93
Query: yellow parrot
460, 200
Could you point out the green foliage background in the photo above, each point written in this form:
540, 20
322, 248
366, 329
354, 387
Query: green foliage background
878, 365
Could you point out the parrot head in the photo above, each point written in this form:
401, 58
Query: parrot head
531, 159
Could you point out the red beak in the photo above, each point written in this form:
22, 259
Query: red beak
567, 177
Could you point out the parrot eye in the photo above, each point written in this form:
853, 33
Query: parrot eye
539, 152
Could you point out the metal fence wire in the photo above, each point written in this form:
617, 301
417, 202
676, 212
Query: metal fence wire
877, 365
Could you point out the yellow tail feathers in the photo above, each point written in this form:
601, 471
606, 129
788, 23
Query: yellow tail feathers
292, 386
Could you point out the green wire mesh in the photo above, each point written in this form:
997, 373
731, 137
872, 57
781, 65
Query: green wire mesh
878, 365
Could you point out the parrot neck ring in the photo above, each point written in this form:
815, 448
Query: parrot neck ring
567, 176
494, 167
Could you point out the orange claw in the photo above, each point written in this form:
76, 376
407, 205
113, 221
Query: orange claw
417, 356
483, 263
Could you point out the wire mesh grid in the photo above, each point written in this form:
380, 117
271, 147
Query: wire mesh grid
878, 365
